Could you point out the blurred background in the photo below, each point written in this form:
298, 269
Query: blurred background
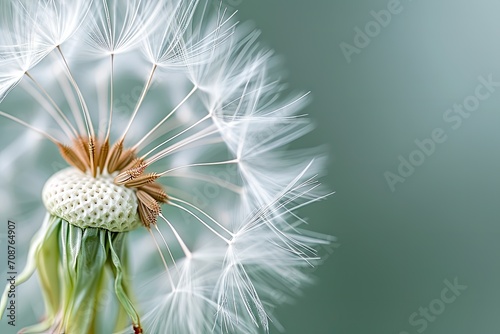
374, 96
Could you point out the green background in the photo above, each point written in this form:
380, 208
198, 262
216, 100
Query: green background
395, 249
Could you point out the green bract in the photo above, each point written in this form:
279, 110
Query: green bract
74, 266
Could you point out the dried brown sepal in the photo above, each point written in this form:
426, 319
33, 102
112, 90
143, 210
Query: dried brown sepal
156, 191
147, 215
92, 156
130, 174
80, 146
137, 329
126, 158
142, 180
103, 155
135, 163
71, 157
148, 200
114, 156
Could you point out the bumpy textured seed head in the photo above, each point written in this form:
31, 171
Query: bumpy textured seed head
85, 201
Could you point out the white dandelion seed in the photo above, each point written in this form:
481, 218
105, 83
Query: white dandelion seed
175, 124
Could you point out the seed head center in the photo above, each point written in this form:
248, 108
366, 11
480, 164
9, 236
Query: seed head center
119, 171
87, 201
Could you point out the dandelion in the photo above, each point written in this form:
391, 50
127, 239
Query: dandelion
179, 193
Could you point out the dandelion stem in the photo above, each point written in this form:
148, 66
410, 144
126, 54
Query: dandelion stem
167, 117
110, 120
61, 118
202, 212
200, 164
177, 135
162, 258
166, 245
172, 148
87, 118
209, 178
141, 99
185, 249
70, 98
201, 221
17, 120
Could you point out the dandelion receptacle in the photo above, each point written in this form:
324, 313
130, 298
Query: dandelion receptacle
173, 188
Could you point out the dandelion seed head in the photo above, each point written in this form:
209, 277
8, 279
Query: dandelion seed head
176, 124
